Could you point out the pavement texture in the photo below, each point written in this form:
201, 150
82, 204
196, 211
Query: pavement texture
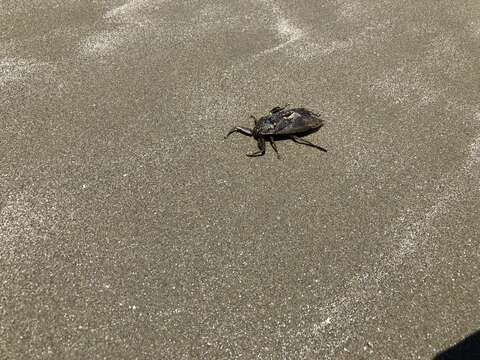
129, 229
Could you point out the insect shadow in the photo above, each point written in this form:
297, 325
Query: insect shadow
282, 124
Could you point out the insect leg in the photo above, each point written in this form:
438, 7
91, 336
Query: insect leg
274, 146
261, 146
299, 140
240, 129
254, 119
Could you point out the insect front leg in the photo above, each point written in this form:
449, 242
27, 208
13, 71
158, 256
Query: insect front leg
240, 129
261, 147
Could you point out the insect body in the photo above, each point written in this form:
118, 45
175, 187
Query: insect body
280, 124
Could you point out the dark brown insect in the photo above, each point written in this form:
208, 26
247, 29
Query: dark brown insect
281, 124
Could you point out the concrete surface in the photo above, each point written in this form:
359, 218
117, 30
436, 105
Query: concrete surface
130, 229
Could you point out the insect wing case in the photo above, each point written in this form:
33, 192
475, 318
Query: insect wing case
296, 121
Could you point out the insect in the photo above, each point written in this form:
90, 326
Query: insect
282, 123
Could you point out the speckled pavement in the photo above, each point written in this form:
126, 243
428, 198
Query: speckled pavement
130, 229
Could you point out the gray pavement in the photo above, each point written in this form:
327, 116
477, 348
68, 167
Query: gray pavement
129, 229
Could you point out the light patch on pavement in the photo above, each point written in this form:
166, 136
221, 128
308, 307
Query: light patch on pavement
12, 69
129, 22
286, 30
475, 152
132, 22
125, 10
352, 10
475, 28
284, 27
443, 53
297, 42
101, 44
474, 158
413, 229
326, 46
